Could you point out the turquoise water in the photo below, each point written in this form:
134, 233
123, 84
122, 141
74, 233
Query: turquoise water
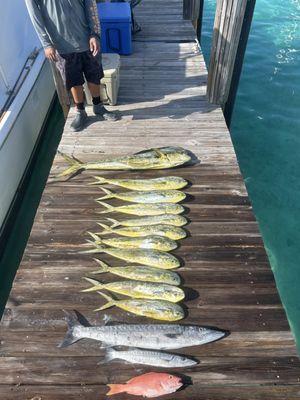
265, 131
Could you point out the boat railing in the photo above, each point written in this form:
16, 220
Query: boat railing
12, 92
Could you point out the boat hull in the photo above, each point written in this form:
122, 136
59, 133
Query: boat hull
20, 128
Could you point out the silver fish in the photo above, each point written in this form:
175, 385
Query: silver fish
150, 357
148, 336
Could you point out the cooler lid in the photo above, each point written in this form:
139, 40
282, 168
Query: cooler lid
114, 12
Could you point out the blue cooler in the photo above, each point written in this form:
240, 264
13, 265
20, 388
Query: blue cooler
115, 19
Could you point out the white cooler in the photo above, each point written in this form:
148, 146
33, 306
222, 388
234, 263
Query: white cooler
110, 83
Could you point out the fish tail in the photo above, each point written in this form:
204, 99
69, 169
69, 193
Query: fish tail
109, 194
75, 165
96, 285
73, 321
116, 388
97, 248
102, 267
108, 206
98, 180
95, 237
110, 302
115, 223
107, 229
110, 354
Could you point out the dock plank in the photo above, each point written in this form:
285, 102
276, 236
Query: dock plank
226, 273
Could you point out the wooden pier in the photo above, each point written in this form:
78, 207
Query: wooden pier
162, 102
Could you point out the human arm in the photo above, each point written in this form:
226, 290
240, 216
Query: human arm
91, 13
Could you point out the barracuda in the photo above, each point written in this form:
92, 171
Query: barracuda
147, 336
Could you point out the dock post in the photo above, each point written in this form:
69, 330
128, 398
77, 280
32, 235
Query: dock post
193, 11
231, 30
61, 90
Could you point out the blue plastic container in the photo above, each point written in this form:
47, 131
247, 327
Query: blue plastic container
115, 21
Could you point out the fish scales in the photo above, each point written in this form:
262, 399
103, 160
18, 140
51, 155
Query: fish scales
160, 336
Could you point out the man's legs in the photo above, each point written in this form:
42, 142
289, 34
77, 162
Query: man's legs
98, 107
81, 116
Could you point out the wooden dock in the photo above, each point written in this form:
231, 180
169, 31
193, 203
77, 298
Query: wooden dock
162, 102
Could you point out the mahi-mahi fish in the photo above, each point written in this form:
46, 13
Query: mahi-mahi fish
143, 209
148, 336
140, 273
149, 242
145, 197
162, 183
167, 231
151, 258
139, 289
160, 158
165, 219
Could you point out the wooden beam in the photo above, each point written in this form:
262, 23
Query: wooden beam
230, 21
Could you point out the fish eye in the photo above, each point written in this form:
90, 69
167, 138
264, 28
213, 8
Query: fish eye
170, 377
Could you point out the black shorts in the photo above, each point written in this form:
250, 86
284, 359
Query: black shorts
74, 67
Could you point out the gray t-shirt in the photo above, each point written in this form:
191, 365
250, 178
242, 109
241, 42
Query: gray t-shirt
66, 25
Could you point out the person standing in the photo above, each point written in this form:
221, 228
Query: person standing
69, 31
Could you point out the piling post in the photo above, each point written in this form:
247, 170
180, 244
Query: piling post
231, 30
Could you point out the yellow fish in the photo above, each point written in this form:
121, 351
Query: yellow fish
150, 242
139, 290
151, 258
167, 231
157, 309
165, 219
144, 209
163, 183
140, 273
144, 197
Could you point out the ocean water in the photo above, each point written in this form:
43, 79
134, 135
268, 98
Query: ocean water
265, 130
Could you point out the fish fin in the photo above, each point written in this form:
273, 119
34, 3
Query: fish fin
95, 237
114, 222
107, 229
116, 388
96, 285
97, 249
110, 354
73, 321
103, 267
110, 302
75, 165
98, 180
108, 206
109, 194
159, 153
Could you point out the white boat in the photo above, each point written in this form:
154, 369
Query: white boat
26, 93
